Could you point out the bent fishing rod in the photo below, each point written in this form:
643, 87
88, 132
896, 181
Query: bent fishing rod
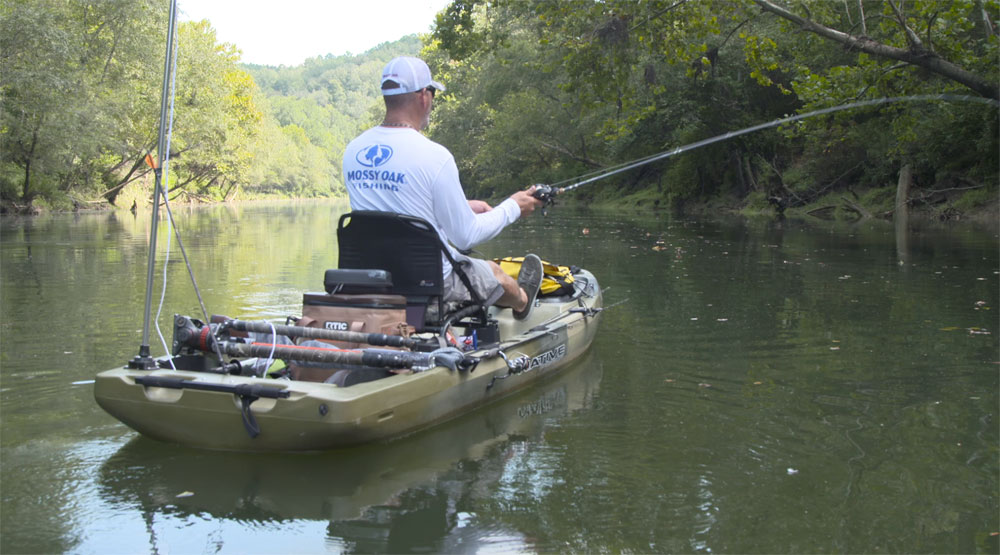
548, 192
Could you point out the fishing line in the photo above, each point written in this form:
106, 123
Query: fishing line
613, 170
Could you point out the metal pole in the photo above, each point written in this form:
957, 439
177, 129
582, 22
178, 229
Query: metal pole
143, 361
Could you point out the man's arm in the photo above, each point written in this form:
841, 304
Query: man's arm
479, 206
463, 227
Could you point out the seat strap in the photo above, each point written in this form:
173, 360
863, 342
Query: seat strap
455, 266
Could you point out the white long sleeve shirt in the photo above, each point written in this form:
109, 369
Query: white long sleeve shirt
399, 170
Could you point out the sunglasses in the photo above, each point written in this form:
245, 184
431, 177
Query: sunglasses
431, 90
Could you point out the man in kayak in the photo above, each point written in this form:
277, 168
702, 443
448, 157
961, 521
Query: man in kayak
394, 168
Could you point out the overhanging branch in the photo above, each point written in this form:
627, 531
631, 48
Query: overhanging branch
920, 57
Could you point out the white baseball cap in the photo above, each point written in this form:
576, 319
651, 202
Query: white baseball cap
411, 74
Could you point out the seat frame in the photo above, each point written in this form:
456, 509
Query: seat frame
411, 250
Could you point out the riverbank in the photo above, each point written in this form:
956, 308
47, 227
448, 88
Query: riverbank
979, 208
8, 208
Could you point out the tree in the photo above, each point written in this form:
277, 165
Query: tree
944, 47
73, 75
216, 116
940, 21
638, 78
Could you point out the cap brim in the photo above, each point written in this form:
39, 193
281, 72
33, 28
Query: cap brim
402, 90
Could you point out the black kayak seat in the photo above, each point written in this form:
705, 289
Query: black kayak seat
409, 249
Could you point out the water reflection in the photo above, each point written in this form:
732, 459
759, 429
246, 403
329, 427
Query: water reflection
902, 227
768, 387
380, 498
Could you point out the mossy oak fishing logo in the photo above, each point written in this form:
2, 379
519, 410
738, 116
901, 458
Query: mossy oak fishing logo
548, 357
374, 156
382, 180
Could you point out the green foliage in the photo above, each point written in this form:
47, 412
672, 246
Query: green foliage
977, 198
216, 118
547, 91
79, 110
311, 112
756, 204
504, 116
538, 91
73, 81
937, 139
455, 30
879, 200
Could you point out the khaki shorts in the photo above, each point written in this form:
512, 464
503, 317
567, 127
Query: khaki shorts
480, 275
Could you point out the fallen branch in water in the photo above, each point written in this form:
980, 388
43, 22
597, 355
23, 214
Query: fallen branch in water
860, 210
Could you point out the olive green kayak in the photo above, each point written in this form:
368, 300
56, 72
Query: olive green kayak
194, 400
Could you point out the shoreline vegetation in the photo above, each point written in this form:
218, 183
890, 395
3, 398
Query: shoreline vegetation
537, 93
919, 214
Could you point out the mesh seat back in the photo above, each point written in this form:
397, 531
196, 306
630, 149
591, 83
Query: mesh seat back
407, 246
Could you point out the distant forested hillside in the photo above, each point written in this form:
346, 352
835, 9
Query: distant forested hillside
80, 102
313, 111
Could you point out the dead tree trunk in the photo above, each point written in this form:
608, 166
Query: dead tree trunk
901, 215
903, 190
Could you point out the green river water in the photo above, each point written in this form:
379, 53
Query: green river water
767, 387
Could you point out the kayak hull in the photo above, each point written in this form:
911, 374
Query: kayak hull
319, 416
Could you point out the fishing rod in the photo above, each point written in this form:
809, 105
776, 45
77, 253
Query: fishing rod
376, 339
191, 335
143, 361
547, 192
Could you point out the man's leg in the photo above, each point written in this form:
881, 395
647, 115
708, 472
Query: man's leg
520, 294
513, 296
